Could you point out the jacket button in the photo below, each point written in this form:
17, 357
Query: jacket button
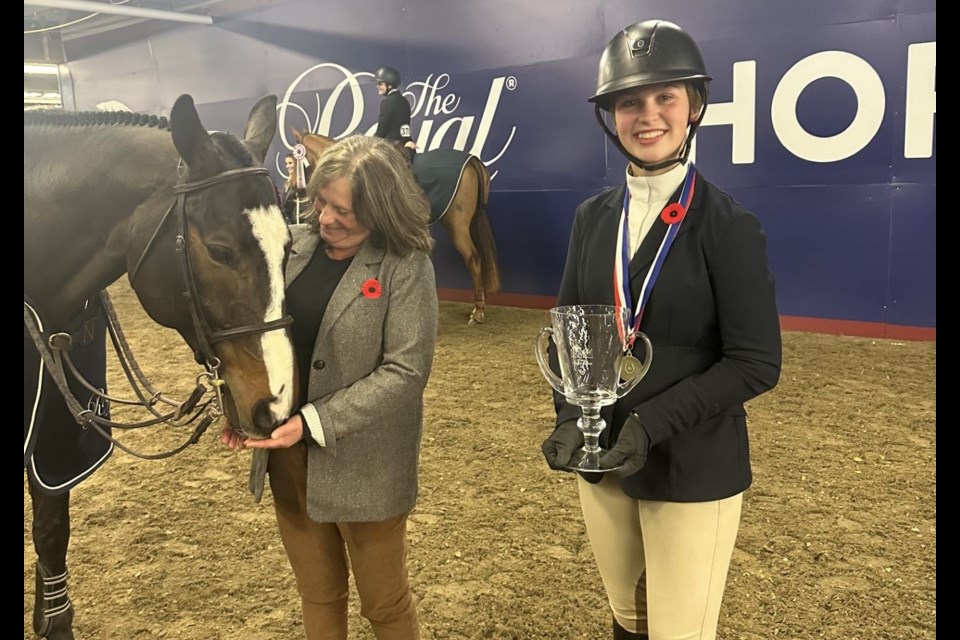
319, 364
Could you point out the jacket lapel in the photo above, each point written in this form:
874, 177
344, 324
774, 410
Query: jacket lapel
640, 264
306, 239
644, 256
365, 265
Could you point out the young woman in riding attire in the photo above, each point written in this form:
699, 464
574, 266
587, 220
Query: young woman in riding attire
690, 263
394, 121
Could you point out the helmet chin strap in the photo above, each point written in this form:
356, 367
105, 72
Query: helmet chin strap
652, 166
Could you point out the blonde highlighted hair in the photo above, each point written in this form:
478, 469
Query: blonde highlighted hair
291, 180
387, 200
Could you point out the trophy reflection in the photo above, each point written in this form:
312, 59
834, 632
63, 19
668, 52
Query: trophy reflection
596, 367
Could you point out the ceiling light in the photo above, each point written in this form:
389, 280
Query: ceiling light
41, 69
122, 10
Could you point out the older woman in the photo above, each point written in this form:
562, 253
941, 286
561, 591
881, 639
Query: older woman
343, 470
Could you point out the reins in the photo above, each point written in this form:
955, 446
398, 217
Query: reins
55, 352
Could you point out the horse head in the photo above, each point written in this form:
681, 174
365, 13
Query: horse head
224, 289
314, 143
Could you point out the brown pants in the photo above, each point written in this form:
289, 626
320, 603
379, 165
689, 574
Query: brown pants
321, 554
663, 564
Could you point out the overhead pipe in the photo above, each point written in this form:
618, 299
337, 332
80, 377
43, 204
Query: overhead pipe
120, 9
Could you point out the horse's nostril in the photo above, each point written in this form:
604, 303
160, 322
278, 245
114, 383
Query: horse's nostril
263, 418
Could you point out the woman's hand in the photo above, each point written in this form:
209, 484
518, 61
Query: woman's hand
286, 435
231, 438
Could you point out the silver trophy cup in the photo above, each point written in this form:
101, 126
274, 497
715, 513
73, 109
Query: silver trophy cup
595, 365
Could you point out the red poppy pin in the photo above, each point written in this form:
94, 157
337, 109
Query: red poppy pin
371, 288
673, 213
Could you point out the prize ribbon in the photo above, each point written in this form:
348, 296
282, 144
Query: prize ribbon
300, 155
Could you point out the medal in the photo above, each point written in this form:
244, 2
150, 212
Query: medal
629, 368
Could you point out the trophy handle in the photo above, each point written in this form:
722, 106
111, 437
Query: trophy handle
627, 386
540, 347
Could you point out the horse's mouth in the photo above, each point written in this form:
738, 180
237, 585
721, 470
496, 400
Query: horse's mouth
240, 431
243, 433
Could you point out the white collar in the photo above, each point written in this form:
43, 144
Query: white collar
655, 189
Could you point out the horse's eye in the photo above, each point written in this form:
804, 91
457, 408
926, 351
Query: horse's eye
221, 254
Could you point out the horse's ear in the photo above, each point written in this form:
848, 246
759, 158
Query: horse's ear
192, 141
261, 127
297, 134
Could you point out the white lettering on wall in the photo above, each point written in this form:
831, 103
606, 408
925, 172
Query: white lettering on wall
463, 124
427, 99
920, 106
442, 124
741, 113
921, 103
871, 100
321, 124
486, 119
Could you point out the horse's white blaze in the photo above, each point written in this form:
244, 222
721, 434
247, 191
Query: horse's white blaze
270, 230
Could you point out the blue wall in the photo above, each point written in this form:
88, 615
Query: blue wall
822, 120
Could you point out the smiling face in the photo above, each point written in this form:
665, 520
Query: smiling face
290, 164
339, 227
651, 122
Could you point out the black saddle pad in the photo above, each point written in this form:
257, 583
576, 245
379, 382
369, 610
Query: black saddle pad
439, 172
58, 453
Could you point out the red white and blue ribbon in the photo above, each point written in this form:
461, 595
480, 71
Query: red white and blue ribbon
672, 215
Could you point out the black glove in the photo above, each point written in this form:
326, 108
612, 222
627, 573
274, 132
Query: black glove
631, 449
562, 443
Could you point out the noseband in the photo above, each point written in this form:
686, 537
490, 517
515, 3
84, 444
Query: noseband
205, 336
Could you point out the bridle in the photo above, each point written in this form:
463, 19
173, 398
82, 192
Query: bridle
54, 348
205, 336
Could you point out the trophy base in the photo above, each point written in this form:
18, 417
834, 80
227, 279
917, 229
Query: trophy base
583, 463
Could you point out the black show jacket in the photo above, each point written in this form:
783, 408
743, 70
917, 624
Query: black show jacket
713, 323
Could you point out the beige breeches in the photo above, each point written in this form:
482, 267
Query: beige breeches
663, 564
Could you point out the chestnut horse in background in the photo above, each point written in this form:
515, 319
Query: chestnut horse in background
465, 219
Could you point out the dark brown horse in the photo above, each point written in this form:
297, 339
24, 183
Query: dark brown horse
465, 218
192, 218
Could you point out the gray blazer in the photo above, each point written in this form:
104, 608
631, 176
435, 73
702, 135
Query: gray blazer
369, 368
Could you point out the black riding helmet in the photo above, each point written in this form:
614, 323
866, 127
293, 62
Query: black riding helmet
388, 76
646, 53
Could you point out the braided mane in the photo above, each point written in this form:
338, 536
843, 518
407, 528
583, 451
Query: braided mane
59, 118
225, 141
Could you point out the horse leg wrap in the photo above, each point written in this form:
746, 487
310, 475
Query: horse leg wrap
52, 608
477, 315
